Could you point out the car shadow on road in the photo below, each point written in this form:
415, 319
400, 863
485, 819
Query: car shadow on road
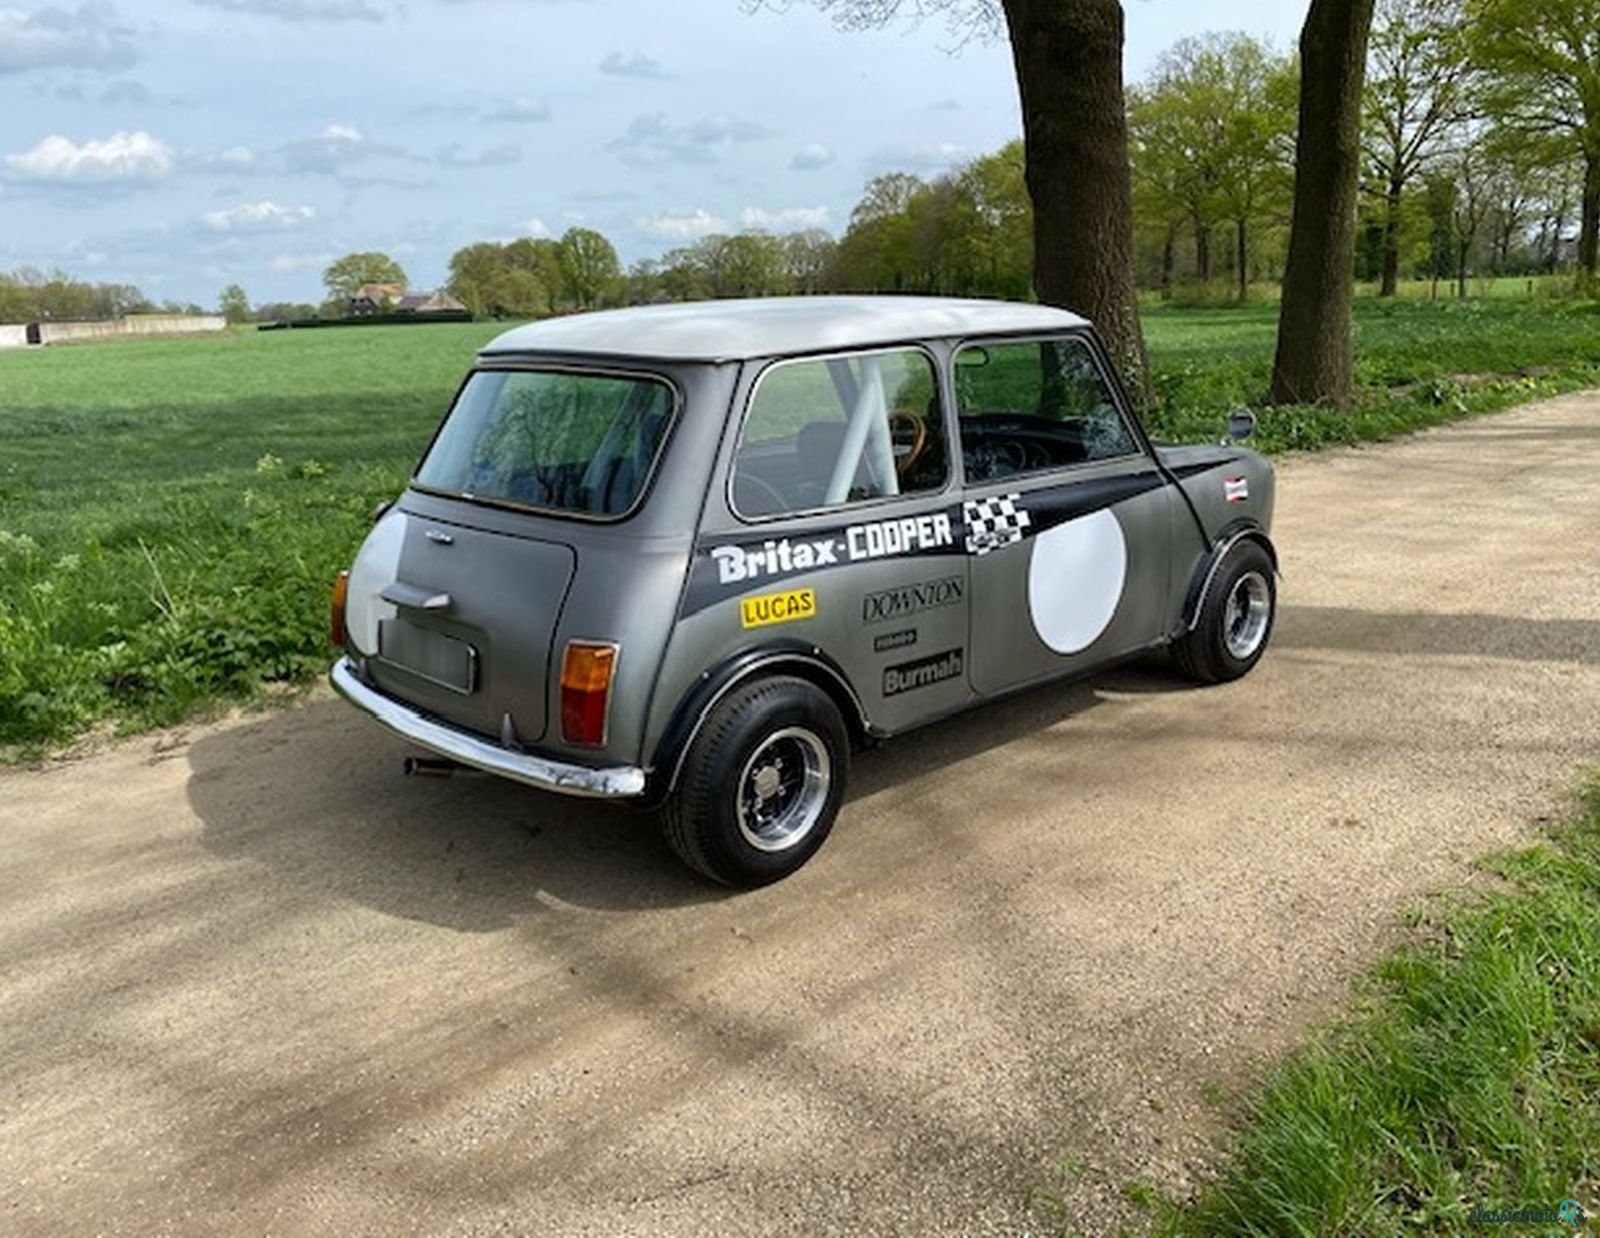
1519, 638
315, 794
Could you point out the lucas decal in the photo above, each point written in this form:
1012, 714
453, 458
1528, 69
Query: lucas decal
766, 609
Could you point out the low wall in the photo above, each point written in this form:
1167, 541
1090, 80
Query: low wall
138, 324
13, 336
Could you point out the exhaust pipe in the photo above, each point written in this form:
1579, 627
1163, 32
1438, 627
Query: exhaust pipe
431, 767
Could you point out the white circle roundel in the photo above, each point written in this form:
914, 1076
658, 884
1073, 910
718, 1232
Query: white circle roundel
1075, 581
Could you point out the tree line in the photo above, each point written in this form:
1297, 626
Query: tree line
1459, 176
31, 295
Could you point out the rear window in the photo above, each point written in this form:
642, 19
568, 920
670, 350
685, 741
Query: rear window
556, 440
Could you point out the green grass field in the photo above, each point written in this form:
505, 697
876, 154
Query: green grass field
171, 511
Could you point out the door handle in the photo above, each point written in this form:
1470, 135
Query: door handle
402, 594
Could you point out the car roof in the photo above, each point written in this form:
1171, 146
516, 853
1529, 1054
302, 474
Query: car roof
775, 326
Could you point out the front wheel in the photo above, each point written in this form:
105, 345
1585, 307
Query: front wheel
1236, 618
761, 784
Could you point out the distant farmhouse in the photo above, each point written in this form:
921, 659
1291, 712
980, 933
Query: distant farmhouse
373, 299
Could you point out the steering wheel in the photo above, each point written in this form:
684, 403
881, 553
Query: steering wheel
909, 434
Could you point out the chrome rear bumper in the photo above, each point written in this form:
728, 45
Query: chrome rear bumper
610, 782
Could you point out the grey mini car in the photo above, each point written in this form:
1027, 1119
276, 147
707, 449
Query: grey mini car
692, 556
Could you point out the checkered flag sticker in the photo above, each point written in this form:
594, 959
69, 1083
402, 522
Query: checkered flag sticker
994, 523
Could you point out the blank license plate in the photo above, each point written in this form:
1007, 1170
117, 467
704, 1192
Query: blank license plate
433, 656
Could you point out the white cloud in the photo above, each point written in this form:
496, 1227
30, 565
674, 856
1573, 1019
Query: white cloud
651, 140
120, 157
299, 10
333, 150
519, 109
683, 225
237, 157
789, 219
536, 228
263, 216
636, 65
810, 157
87, 37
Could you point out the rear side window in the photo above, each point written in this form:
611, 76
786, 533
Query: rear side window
1028, 407
555, 440
834, 431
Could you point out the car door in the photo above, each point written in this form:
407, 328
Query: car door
841, 534
1067, 518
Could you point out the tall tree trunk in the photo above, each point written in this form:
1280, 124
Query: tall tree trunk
1244, 264
1068, 57
1202, 251
1315, 362
1391, 239
1589, 234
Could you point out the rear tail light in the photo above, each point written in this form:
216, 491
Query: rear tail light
341, 594
586, 670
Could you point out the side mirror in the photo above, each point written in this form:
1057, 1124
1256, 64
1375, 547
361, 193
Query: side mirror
1241, 425
379, 511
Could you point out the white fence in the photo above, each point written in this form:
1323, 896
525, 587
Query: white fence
117, 328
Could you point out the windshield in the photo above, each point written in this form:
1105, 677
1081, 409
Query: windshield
563, 441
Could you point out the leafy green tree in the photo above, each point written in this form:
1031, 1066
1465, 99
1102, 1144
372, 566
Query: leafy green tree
233, 304
806, 257
1542, 62
590, 271
1418, 95
1212, 139
344, 276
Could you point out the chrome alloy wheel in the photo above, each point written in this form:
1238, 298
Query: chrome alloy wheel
783, 789
1246, 616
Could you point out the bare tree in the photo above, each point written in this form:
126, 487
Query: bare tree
1315, 361
1068, 60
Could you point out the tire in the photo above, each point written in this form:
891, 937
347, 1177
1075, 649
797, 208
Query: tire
1236, 618
761, 783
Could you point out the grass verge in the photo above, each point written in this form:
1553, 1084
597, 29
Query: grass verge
1468, 1078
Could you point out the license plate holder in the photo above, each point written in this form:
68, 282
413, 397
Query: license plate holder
432, 656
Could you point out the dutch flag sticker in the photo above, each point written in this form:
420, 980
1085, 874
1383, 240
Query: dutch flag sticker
1236, 489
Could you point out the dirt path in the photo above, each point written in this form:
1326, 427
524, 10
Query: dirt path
253, 980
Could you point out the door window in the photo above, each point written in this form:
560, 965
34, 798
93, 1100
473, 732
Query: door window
1030, 406
834, 431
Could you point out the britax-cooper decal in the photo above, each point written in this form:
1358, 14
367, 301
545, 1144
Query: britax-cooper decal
878, 540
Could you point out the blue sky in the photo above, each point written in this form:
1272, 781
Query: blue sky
185, 144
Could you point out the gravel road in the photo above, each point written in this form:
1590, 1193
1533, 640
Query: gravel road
253, 980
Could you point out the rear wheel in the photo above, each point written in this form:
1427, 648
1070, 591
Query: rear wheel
1236, 618
761, 784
